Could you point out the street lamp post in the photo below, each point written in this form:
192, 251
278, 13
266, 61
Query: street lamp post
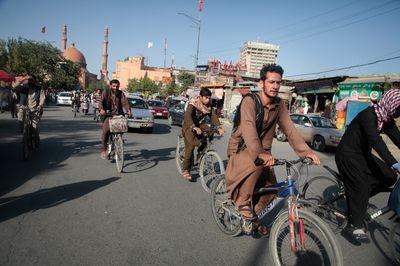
198, 24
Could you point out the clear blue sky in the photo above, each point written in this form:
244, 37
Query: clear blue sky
313, 35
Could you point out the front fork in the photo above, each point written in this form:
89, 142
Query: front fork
295, 225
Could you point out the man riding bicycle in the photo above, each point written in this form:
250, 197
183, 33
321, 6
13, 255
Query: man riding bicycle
76, 100
246, 144
363, 174
198, 109
112, 101
32, 96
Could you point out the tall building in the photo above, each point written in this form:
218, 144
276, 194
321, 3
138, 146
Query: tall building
256, 54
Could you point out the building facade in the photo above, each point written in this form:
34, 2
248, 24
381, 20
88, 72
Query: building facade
134, 68
256, 54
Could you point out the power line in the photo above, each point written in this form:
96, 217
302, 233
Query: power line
344, 68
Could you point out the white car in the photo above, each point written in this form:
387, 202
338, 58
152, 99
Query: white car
142, 117
64, 98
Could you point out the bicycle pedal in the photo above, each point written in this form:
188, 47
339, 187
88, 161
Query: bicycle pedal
248, 226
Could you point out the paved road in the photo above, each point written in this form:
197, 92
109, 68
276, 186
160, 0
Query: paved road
65, 206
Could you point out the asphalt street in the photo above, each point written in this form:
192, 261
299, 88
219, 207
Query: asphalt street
66, 206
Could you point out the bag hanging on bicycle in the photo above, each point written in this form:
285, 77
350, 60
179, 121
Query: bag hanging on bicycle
118, 124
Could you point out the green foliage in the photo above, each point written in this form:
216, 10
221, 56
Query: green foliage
144, 85
173, 88
39, 59
187, 79
96, 84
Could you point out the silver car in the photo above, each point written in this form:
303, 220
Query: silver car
142, 118
316, 130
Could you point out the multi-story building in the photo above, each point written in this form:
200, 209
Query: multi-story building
256, 54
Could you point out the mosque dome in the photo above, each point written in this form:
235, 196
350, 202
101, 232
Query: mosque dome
73, 54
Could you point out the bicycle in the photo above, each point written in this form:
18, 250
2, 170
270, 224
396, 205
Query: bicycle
74, 108
115, 146
209, 162
27, 133
331, 206
295, 235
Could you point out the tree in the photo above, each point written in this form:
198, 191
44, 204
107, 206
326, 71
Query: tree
187, 79
144, 85
173, 88
41, 60
96, 84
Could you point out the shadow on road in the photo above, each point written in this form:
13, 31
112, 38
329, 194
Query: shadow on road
145, 159
64, 138
46, 198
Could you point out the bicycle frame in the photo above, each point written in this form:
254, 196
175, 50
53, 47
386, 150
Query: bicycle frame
285, 190
341, 195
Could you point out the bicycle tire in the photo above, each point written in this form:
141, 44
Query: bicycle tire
321, 194
394, 240
26, 142
119, 152
210, 169
320, 244
224, 212
179, 153
75, 109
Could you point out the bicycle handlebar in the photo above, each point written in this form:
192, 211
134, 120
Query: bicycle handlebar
306, 160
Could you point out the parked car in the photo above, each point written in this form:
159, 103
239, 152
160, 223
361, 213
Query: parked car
142, 117
158, 108
176, 113
64, 98
316, 130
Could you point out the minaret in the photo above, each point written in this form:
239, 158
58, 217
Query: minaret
104, 71
64, 38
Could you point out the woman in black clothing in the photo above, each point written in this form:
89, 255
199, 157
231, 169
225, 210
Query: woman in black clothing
364, 174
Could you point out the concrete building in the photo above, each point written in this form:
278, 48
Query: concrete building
134, 68
255, 54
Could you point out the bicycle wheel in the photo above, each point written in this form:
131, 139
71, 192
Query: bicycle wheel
394, 240
26, 141
179, 153
211, 166
119, 152
325, 197
224, 212
310, 243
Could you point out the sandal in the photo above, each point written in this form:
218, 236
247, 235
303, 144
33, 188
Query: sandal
248, 221
187, 175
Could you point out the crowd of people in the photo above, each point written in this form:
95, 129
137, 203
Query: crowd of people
363, 173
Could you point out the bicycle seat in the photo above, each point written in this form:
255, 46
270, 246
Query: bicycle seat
333, 172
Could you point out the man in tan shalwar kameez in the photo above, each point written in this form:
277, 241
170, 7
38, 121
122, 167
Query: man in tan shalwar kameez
242, 175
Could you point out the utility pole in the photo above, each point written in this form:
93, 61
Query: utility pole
165, 52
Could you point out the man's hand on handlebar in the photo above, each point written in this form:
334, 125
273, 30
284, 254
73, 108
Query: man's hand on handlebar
129, 114
221, 131
197, 130
102, 112
314, 158
267, 159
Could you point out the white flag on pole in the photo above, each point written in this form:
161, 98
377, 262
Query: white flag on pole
149, 44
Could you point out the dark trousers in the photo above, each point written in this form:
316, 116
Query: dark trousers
363, 177
105, 134
189, 148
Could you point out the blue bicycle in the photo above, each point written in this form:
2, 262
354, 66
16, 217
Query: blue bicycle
296, 235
